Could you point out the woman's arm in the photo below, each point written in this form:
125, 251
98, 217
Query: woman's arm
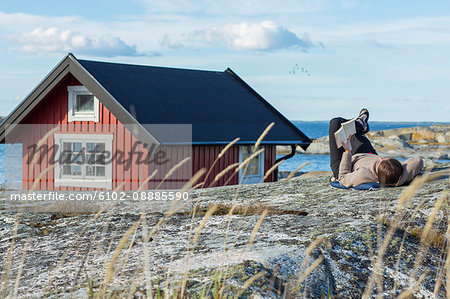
346, 162
346, 176
346, 165
411, 168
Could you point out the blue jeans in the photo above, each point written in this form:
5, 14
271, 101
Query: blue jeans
360, 144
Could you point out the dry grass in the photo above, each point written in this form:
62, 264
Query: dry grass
433, 238
176, 287
221, 154
395, 224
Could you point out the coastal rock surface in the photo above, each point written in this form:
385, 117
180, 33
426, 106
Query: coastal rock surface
431, 142
280, 240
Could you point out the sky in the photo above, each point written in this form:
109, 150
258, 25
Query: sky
311, 59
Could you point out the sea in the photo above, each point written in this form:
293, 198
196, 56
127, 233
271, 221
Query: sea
312, 129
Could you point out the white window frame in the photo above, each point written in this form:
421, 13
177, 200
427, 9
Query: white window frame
73, 91
251, 178
83, 181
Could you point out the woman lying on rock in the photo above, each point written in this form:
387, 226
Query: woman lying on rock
357, 162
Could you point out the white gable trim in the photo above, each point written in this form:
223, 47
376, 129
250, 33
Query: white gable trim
70, 65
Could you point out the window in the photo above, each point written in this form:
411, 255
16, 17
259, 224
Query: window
83, 106
254, 171
82, 160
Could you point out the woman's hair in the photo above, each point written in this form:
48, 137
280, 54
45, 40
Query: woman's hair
389, 172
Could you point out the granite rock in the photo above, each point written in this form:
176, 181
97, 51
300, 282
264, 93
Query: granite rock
308, 225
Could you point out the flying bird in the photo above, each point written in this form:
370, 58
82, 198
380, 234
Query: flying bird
296, 69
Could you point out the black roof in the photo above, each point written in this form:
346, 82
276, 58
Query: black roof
219, 105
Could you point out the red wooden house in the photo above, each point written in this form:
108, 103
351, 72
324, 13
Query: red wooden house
85, 112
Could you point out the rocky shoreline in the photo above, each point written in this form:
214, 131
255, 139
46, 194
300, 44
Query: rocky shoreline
432, 142
308, 226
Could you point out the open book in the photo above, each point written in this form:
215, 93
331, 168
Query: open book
345, 131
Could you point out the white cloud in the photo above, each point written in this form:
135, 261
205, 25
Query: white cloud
166, 41
55, 40
264, 36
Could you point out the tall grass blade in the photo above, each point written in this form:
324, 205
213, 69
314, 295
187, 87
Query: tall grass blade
257, 226
263, 134
292, 173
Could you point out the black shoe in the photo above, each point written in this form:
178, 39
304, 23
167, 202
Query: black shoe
363, 118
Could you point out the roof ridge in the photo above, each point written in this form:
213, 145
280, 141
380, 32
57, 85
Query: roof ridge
148, 66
